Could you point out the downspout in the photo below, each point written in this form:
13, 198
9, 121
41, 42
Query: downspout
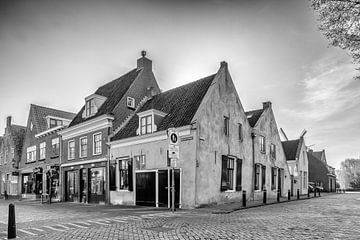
253, 135
108, 167
61, 180
197, 147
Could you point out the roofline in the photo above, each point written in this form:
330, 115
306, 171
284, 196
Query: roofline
49, 131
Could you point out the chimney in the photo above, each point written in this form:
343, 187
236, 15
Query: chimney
8, 121
150, 92
144, 62
311, 151
223, 64
266, 105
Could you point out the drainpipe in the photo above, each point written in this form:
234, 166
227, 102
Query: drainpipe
253, 135
197, 146
61, 180
108, 167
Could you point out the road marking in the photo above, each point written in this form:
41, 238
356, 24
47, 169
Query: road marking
97, 222
27, 232
37, 229
52, 228
76, 225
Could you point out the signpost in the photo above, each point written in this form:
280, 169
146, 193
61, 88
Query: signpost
173, 137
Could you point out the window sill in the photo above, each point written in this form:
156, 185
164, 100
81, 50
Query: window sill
54, 156
123, 190
30, 162
43, 159
96, 154
82, 157
230, 191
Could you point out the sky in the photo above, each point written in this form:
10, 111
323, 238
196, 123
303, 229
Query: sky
55, 53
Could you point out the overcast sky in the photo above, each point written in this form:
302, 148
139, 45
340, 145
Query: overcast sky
55, 53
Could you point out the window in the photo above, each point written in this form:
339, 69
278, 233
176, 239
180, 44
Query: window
55, 122
257, 176
273, 151
83, 147
262, 144
227, 174
226, 126
305, 180
90, 107
238, 174
263, 177
240, 132
12, 152
31, 154
55, 146
273, 177
97, 144
125, 170
140, 162
130, 102
71, 149
146, 124
42, 150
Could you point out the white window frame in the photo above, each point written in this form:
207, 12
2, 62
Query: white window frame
55, 141
42, 149
12, 152
94, 147
32, 151
272, 151
262, 144
146, 117
69, 157
89, 106
234, 173
80, 152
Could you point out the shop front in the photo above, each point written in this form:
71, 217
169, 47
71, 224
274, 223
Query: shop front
85, 183
9, 183
52, 182
32, 183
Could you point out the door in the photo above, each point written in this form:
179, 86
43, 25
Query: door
145, 189
280, 181
83, 185
97, 185
177, 187
163, 188
71, 186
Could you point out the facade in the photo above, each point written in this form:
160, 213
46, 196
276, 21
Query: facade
271, 170
40, 163
214, 161
85, 153
10, 154
297, 159
320, 173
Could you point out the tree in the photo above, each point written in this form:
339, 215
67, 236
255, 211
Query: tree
340, 23
350, 172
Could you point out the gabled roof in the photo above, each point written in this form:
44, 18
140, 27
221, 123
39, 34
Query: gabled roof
39, 114
292, 148
317, 154
253, 116
315, 164
113, 91
180, 105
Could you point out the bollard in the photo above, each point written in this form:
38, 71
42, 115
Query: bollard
278, 195
11, 222
289, 195
264, 196
319, 193
315, 192
298, 194
308, 193
244, 199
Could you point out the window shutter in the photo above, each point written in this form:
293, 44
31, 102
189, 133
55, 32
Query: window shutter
130, 174
238, 174
224, 186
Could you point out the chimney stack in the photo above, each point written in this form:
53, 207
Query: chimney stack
144, 62
266, 105
8, 121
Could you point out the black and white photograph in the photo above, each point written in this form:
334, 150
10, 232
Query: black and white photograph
179, 119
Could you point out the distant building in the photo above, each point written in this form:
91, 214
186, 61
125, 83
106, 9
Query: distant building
271, 169
85, 153
40, 163
11, 144
320, 172
297, 159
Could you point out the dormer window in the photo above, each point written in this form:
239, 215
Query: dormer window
146, 124
90, 107
130, 102
55, 122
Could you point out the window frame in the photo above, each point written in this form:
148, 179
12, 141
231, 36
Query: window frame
274, 172
262, 143
140, 162
226, 126
146, 124
123, 175
94, 144
241, 133
90, 107
80, 147
42, 151
69, 152
273, 151
30, 151
55, 142
257, 177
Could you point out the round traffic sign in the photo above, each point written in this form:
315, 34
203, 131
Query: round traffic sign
173, 138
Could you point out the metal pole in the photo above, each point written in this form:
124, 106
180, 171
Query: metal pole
289, 195
278, 195
173, 190
298, 194
11, 222
264, 196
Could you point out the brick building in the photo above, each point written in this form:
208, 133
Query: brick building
39, 165
85, 164
10, 154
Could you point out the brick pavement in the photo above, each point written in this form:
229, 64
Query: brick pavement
329, 217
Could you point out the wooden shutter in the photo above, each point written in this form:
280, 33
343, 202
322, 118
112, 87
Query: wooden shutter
238, 174
224, 174
130, 174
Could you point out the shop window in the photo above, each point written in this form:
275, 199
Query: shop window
83, 147
262, 144
97, 179
42, 150
273, 177
55, 146
97, 144
257, 176
273, 151
227, 173
140, 162
71, 150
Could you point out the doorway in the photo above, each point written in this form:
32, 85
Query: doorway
72, 186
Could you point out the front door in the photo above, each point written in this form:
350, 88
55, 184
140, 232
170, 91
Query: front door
83, 185
164, 188
280, 181
145, 189
97, 185
71, 186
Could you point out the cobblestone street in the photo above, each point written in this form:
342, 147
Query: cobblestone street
334, 216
